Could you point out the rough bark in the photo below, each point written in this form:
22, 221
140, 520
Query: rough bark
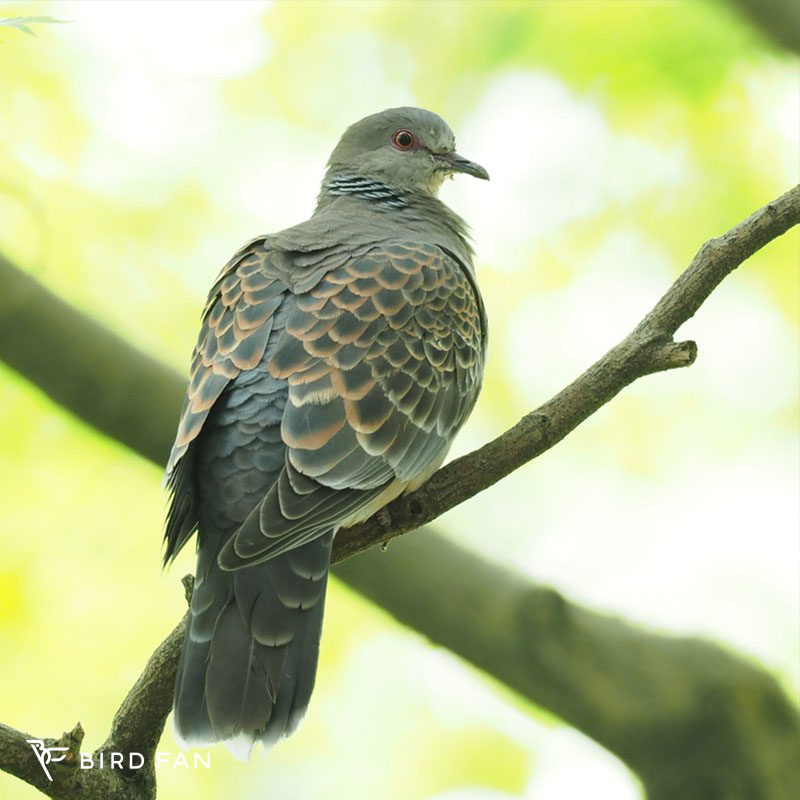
692, 720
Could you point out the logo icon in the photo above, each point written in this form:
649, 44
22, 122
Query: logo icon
45, 754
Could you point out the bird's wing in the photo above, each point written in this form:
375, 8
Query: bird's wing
384, 359
237, 322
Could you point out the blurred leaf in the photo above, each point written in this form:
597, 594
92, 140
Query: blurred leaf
23, 23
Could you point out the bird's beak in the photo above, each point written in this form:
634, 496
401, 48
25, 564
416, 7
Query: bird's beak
456, 163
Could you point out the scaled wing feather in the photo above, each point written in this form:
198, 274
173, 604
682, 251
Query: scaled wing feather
383, 359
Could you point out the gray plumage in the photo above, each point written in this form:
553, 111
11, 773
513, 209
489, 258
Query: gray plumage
336, 361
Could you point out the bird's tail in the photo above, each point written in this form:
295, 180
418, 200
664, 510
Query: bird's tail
249, 658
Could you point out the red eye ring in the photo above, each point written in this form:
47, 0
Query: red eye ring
404, 139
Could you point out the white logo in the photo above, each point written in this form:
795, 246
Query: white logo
45, 754
113, 760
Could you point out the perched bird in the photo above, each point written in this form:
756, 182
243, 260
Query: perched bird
336, 361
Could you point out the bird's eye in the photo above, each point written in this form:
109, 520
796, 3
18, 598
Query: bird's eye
404, 140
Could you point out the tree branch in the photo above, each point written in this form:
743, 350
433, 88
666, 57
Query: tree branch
72, 358
647, 349
693, 721
137, 728
663, 704
778, 19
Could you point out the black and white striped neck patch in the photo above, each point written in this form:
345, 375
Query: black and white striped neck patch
368, 188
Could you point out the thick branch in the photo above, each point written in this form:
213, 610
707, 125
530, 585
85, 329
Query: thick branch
693, 721
663, 704
87, 368
778, 19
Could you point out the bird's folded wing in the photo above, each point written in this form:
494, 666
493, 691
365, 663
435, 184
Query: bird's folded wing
237, 322
383, 358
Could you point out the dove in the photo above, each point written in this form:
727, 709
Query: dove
336, 361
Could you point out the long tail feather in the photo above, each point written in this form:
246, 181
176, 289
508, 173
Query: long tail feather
249, 659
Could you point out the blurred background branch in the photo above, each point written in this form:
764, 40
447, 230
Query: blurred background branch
778, 19
693, 721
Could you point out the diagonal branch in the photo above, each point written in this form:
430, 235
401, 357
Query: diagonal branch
635, 692
648, 348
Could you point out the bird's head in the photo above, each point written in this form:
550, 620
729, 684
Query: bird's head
409, 148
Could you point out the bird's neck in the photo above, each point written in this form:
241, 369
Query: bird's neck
423, 211
371, 191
